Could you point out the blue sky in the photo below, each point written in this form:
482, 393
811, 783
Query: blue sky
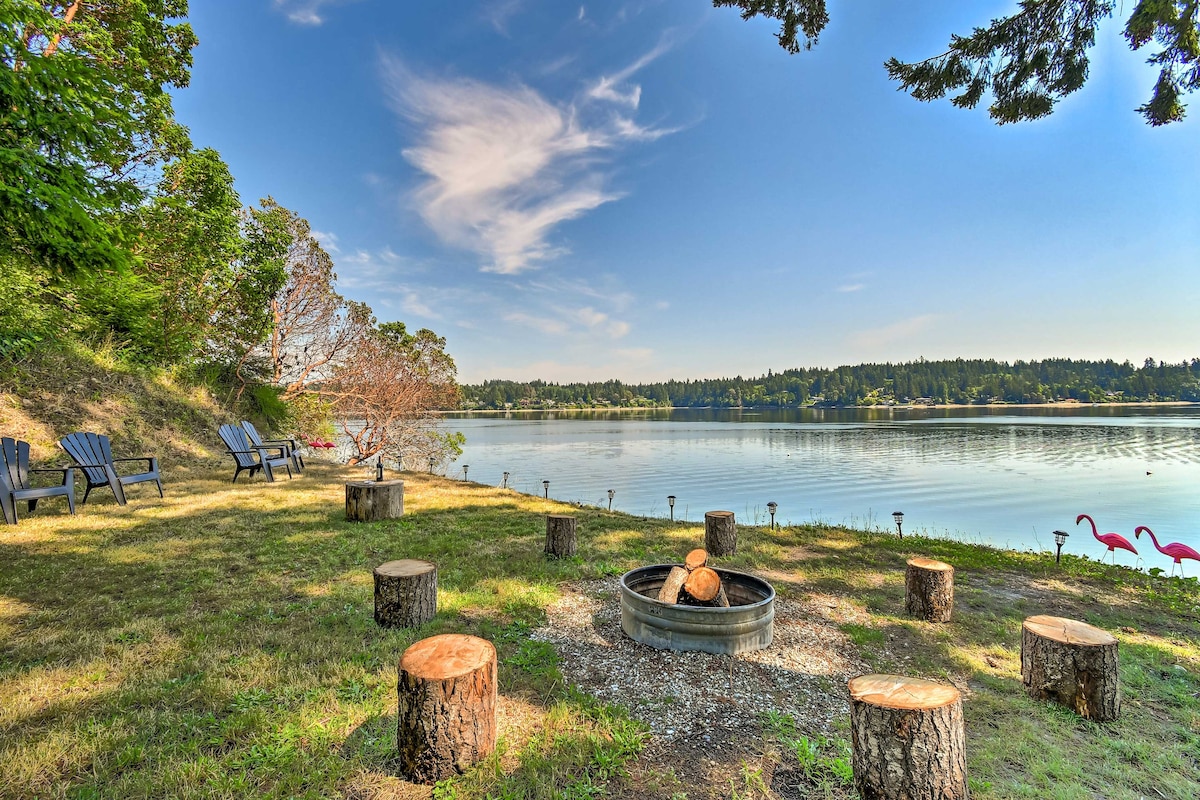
655, 189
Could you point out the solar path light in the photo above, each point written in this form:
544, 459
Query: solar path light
772, 507
899, 517
671, 503
1060, 538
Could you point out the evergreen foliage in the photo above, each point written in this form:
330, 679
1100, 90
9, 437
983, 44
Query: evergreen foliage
959, 381
1028, 60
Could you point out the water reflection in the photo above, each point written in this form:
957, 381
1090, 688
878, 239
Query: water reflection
1006, 476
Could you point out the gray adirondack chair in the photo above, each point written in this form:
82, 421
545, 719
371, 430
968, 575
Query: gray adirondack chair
93, 454
249, 457
16, 487
292, 447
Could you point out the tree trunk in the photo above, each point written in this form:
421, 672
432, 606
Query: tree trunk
1071, 663
447, 706
695, 559
369, 501
702, 584
669, 593
560, 536
405, 593
720, 533
907, 740
929, 589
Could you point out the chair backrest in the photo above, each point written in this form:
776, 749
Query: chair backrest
235, 439
16, 462
252, 432
89, 448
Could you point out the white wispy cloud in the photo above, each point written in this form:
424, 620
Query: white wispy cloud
897, 331
306, 12
505, 166
499, 12
851, 287
543, 324
329, 241
616, 89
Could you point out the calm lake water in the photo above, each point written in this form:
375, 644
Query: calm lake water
1007, 477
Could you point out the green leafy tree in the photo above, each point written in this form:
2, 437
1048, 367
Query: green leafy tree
1029, 60
85, 114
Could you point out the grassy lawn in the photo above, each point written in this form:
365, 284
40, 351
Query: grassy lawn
220, 643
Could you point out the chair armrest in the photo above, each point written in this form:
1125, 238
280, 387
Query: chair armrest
147, 459
68, 474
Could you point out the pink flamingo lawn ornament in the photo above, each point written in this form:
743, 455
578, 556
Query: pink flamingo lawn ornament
1113, 540
1176, 550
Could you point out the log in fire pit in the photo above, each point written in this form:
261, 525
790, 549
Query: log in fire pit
742, 627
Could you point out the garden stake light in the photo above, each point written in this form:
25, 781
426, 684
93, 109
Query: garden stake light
671, 503
611, 492
1060, 538
899, 517
772, 506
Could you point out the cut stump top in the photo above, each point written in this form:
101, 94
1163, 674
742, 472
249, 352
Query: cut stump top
560, 516
718, 513
404, 568
448, 655
920, 562
1068, 631
703, 584
364, 484
897, 691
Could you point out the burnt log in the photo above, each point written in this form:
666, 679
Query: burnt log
405, 593
1071, 663
561, 541
447, 706
720, 533
929, 589
907, 740
368, 501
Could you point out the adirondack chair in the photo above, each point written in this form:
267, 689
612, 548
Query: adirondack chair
291, 446
93, 454
249, 457
16, 486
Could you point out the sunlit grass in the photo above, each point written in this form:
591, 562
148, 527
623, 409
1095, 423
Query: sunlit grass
220, 643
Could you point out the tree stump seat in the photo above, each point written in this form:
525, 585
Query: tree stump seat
561, 541
405, 593
720, 533
929, 589
1071, 663
369, 501
907, 740
447, 694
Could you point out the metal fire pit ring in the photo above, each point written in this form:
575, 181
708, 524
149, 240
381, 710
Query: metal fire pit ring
744, 627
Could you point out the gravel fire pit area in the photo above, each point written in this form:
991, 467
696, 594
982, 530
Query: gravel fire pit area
697, 696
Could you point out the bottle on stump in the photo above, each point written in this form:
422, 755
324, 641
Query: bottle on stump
447, 706
907, 739
405, 593
1071, 663
720, 533
561, 541
929, 589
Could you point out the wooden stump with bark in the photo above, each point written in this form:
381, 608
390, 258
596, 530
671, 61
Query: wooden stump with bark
720, 533
447, 701
368, 501
1071, 663
929, 589
561, 541
405, 593
907, 740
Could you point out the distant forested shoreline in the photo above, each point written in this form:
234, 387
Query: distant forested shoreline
954, 382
